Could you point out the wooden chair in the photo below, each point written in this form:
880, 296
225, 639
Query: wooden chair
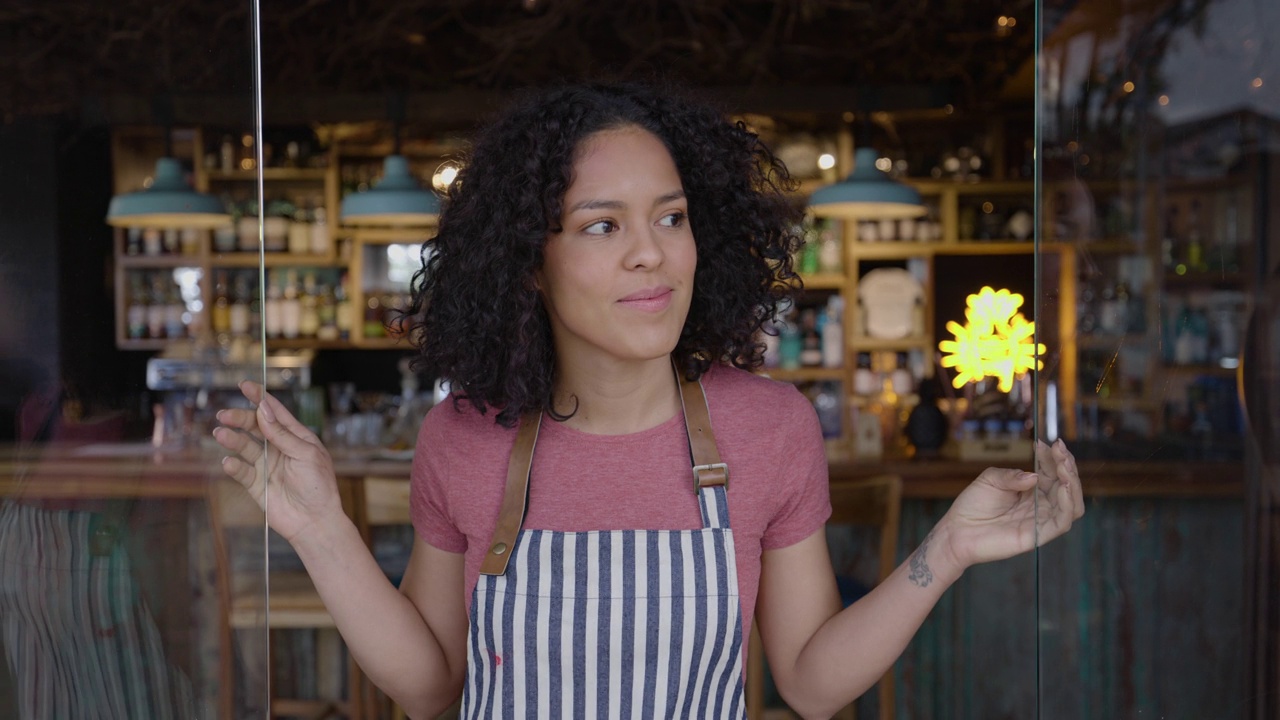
875, 502
293, 604
382, 502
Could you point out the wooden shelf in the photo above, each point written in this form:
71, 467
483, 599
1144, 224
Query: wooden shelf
148, 344
868, 344
1120, 403
383, 343
987, 247
160, 261
893, 249
250, 260
1101, 341
1206, 279
805, 374
308, 343
272, 174
823, 281
387, 236
1212, 370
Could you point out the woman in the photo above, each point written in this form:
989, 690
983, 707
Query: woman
610, 498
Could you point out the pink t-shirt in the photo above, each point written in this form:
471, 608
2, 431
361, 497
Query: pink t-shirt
766, 431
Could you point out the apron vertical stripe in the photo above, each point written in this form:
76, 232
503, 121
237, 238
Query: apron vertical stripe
619, 606
604, 686
505, 648
696, 602
647, 633
555, 662
546, 570
526, 663
716, 635
486, 658
670, 636
724, 643
565, 686
684, 586
579, 619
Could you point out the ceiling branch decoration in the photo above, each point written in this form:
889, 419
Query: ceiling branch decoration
54, 53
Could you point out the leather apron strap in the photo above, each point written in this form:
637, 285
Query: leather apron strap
708, 469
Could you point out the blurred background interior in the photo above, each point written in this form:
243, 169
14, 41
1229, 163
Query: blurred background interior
1067, 234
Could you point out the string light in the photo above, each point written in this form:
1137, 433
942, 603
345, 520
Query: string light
995, 341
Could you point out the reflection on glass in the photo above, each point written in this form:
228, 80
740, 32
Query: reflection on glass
116, 569
1156, 159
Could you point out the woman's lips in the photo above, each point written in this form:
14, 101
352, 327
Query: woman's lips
654, 300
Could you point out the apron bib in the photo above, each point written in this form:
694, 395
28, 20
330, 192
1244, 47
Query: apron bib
609, 624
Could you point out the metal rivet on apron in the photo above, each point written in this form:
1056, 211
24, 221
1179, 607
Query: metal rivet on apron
499, 548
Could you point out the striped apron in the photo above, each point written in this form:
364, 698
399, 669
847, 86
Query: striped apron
609, 624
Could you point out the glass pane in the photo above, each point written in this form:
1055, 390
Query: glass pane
123, 564
1157, 203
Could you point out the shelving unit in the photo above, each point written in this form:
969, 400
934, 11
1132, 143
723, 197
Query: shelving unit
346, 248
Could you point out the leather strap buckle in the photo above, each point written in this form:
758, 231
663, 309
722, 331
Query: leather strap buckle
717, 474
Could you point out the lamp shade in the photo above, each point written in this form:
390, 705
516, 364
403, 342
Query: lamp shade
396, 199
866, 194
168, 203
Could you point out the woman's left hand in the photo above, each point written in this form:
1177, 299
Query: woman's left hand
1006, 512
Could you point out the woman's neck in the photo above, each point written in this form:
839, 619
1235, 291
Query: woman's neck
617, 399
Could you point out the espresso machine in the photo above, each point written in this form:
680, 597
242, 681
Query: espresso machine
191, 387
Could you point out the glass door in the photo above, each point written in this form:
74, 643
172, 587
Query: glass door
1157, 129
130, 576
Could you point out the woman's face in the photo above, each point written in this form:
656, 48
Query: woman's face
617, 279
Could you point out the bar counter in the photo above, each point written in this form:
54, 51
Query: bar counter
139, 470
1154, 533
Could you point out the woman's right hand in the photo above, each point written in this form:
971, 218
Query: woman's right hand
290, 475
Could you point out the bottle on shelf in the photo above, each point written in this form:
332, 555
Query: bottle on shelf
326, 310
344, 314
373, 317
221, 315
136, 315
240, 297
319, 229
1169, 249
309, 319
828, 405
174, 309
1195, 259
290, 307
833, 333
300, 231
133, 241
156, 307
811, 345
227, 161
273, 308
152, 241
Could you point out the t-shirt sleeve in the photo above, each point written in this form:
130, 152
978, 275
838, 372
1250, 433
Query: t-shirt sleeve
429, 480
805, 491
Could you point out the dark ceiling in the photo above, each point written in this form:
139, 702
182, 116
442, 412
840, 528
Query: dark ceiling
56, 55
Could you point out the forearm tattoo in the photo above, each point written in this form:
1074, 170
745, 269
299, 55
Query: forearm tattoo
921, 575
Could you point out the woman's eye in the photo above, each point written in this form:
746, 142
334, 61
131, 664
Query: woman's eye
602, 227
673, 220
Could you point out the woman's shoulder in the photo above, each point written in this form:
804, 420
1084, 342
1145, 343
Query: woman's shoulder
453, 422
738, 390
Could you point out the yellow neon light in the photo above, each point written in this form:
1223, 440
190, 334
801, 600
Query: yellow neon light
995, 341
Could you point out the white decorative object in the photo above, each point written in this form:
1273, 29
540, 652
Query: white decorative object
888, 297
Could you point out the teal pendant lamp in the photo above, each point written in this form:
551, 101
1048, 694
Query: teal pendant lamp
867, 194
168, 203
396, 200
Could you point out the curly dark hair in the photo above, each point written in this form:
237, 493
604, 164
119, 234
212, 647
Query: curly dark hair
476, 317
